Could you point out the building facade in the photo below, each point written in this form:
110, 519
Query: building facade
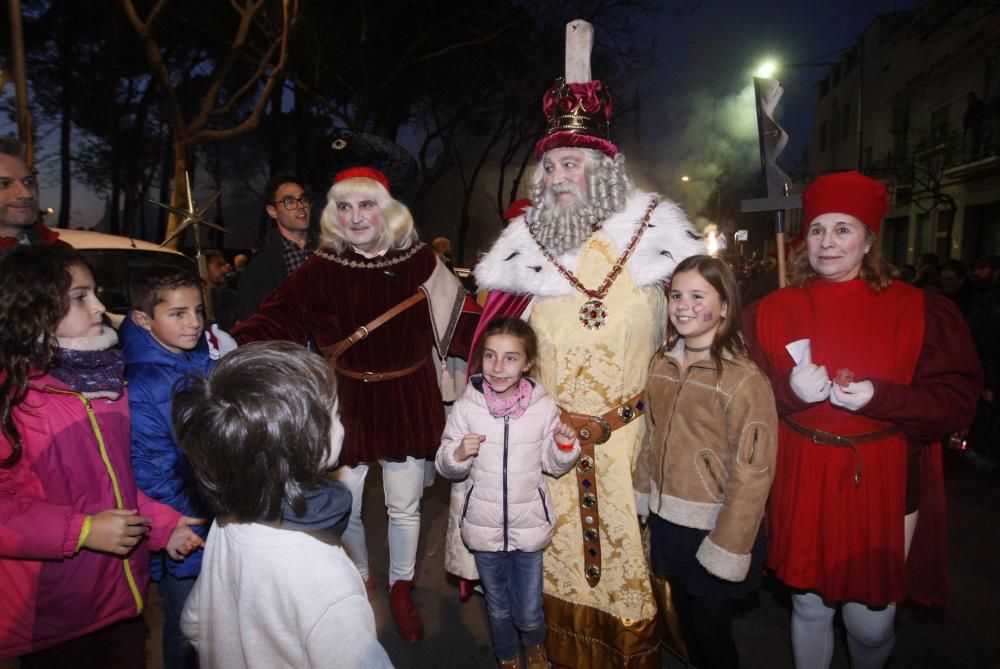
916, 104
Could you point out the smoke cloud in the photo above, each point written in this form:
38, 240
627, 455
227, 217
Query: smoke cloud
714, 136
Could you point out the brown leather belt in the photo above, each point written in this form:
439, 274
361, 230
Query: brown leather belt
331, 353
375, 377
823, 438
593, 430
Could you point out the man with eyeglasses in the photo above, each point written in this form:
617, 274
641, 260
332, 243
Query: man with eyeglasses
19, 221
287, 245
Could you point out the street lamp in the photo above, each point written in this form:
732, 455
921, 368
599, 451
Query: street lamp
768, 68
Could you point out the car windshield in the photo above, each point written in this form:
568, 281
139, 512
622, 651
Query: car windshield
114, 269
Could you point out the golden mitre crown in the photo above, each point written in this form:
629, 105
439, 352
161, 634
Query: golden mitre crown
578, 108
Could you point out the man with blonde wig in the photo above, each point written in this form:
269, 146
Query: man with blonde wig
358, 299
586, 265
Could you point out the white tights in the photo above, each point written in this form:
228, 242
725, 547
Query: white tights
403, 484
870, 633
870, 636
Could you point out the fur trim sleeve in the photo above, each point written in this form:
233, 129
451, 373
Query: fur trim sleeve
641, 503
721, 563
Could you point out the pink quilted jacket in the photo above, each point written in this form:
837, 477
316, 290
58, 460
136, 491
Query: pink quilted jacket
75, 461
507, 505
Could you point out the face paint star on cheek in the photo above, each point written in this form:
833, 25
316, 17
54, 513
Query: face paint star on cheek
708, 316
697, 309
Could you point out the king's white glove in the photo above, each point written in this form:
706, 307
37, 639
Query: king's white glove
810, 382
854, 396
219, 342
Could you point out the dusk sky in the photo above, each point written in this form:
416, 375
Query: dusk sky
697, 110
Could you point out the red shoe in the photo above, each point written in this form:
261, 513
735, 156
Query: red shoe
464, 590
404, 612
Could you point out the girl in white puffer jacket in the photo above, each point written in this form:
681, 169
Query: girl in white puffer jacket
503, 433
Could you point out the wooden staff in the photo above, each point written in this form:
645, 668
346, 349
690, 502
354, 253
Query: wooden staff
779, 233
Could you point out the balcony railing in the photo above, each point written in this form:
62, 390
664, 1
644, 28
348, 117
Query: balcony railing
952, 153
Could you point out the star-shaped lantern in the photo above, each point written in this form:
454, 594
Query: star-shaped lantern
192, 217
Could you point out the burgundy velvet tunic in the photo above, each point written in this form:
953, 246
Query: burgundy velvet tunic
325, 301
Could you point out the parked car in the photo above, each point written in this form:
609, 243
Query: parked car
115, 259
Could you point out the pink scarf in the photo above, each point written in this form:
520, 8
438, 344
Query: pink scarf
514, 405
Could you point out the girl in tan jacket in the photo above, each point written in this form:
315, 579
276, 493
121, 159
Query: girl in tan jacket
707, 463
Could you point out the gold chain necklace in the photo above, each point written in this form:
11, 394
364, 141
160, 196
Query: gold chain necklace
370, 264
593, 314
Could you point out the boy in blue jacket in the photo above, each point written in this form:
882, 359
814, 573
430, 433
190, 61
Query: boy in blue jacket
163, 342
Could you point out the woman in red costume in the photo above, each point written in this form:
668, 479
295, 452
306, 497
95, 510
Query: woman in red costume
867, 372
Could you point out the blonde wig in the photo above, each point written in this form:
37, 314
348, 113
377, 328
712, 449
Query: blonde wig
398, 231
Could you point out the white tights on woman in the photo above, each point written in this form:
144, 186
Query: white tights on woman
870, 636
870, 632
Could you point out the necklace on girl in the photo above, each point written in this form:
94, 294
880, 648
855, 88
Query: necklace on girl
593, 313
697, 349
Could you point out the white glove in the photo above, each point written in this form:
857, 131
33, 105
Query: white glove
219, 342
854, 396
810, 382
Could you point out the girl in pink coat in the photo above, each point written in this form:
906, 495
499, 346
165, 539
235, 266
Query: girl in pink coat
75, 532
502, 434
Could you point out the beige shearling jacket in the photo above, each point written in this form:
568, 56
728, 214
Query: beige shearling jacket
708, 457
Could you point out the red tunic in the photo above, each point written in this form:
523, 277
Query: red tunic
824, 533
325, 301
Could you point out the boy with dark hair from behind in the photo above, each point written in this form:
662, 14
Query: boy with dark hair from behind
163, 341
261, 432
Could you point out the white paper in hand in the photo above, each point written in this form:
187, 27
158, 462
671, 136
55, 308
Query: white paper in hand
801, 351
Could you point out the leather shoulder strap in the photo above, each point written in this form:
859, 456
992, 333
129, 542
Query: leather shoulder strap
331, 353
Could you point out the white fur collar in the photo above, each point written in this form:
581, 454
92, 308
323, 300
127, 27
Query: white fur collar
515, 264
101, 342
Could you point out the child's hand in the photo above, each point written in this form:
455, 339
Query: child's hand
183, 540
565, 436
469, 447
116, 531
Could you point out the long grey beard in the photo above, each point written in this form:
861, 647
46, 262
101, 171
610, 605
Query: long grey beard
562, 229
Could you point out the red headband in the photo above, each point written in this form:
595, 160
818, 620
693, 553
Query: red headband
363, 173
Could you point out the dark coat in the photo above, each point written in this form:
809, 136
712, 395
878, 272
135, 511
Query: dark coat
262, 275
38, 234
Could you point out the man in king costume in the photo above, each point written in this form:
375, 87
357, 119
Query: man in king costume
586, 265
